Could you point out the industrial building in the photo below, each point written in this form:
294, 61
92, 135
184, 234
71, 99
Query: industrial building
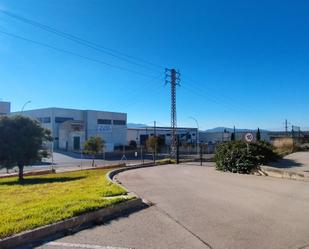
72, 127
5, 108
140, 135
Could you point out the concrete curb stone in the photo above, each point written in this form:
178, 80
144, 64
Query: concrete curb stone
285, 174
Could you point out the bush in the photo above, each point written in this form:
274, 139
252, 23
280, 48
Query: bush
133, 144
263, 152
235, 157
285, 146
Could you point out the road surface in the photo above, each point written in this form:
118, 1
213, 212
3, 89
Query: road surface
296, 162
199, 207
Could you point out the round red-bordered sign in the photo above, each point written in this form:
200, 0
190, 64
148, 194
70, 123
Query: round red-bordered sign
249, 137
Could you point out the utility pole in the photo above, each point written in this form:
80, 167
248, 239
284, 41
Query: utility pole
177, 151
201, 154
155, 136
234, 133
142, 158
286, 127
197, 133
173, 77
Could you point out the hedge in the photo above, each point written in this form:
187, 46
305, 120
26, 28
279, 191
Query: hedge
237, 156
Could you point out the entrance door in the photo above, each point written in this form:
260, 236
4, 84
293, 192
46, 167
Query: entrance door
76, 143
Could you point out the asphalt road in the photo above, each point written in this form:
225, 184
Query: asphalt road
68, 162
198, 207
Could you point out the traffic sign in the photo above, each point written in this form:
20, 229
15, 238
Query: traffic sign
249, 137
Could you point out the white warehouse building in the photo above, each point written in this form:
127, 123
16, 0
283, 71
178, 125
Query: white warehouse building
72, 127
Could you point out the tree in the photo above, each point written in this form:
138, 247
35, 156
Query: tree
233, 136
133, 144
155, 143
21, 142
151, 143
93, 146
258, 135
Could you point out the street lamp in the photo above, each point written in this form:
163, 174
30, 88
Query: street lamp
197, 135
22, 109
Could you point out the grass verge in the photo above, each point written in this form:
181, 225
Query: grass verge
165, 161
43, 200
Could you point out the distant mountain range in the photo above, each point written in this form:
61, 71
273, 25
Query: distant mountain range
216, 129
221, 129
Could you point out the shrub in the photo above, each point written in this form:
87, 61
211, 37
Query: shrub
285, 146
132, 144
264, 152
235, 156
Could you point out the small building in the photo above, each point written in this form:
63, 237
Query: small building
5, 108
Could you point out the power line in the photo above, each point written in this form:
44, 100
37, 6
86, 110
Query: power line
206, 97
81, 41
150, 84
221, 95
73, 53
225, 100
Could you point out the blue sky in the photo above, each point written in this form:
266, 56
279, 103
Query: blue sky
242, 63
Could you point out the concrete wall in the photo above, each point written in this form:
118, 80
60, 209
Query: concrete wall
112, 134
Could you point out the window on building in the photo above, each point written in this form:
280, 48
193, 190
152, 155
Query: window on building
104, 121
44, 120
62, 119
119, 122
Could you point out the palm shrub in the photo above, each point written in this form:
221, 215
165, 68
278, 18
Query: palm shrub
238, 157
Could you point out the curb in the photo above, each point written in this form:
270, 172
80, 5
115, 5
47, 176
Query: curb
110, 175
30, 173
285, 174
54, 171
77, 223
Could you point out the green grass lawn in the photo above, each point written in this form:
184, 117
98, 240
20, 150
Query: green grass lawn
43, 200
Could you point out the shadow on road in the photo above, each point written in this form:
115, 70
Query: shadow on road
286, 163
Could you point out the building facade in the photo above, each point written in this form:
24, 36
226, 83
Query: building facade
140, 135
72, 127
5, 108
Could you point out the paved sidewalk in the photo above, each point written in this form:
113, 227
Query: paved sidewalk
297, 162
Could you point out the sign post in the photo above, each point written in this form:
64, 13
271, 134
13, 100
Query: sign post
249, 139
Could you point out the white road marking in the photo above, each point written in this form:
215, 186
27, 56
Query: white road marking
83, 246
